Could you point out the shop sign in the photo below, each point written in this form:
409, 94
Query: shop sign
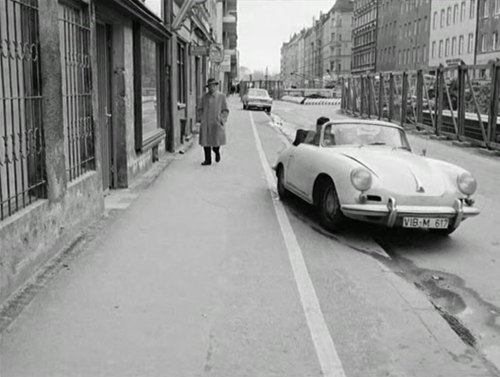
216, 53
199, 51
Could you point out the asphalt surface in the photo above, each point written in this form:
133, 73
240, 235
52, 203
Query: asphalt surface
461, 274
200, 275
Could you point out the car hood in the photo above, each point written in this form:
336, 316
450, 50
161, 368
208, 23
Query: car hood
400, 171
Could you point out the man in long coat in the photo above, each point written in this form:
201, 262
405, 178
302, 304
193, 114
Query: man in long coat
213, 112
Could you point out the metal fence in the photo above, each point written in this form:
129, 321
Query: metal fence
22, 166
459, 102
74, 24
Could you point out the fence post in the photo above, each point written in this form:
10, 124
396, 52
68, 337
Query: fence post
439, 99
368, 89
420, 97
391, 96
354, 97
462, 70
380, 95
404, 98
495, 92
52, 105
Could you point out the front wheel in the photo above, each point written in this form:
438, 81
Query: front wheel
331, 217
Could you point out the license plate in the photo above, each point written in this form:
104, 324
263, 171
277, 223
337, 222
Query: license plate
425, 222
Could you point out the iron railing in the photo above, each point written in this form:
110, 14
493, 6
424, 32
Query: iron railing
74, 24
22, 154
460, 102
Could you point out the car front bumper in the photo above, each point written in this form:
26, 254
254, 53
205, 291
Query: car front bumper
259, 104
392, 213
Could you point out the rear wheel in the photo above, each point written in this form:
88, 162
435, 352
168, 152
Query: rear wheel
268, 109
282, 191
331, 216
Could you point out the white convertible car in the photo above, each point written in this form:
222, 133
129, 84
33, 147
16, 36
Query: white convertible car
365, 170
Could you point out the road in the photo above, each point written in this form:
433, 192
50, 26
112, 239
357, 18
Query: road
459, 274
207, 273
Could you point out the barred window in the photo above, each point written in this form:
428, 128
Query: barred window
74, 26
22, 150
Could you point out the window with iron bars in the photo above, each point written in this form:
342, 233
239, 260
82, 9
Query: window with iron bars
74, 34
22, 152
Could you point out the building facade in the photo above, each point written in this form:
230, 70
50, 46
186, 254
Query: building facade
337, 45
104, 89
488, 28
452, 32
403, 35
316, 56
364, 36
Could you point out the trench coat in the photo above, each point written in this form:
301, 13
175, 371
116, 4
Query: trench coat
213, 113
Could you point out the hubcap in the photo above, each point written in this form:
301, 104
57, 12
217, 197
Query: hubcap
330, 203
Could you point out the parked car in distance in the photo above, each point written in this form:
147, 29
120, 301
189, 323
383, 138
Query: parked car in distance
257, 99
365, 170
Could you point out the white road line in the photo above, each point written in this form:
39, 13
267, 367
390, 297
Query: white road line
329, 360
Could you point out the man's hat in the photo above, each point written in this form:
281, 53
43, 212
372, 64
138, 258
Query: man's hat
212, 81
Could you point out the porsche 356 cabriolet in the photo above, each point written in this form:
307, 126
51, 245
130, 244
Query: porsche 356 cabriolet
365, 170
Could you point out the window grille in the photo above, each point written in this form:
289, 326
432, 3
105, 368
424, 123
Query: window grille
22, 152
74, 25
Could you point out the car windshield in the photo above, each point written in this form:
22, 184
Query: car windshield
364, 134
257, 93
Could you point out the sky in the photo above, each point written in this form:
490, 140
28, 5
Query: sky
263, 26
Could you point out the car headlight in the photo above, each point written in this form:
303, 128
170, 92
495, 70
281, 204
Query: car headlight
361, 179
467, 184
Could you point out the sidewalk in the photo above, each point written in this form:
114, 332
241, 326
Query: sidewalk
175, 286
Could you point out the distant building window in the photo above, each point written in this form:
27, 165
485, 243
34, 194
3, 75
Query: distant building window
435, 20
433, 51
495, 40
443, 15
424, 54
497, 6
453, 46
461, 45
483, 43
455, 13
486, 10
448, 16
447, 48
440, 49
470, 44
472, 10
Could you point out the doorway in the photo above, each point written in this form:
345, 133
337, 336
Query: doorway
105, 114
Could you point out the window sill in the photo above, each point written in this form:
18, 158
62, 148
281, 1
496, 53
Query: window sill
153, 139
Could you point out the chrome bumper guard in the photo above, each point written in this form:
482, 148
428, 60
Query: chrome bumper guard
392, 211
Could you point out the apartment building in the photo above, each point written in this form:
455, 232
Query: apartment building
488, 27
452, 32
403, 34
364, 36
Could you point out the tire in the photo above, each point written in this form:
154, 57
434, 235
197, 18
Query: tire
283, 193
331, 217
268, 110
245, 107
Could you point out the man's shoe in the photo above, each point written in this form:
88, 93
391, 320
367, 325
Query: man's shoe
217, 157
206, 163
